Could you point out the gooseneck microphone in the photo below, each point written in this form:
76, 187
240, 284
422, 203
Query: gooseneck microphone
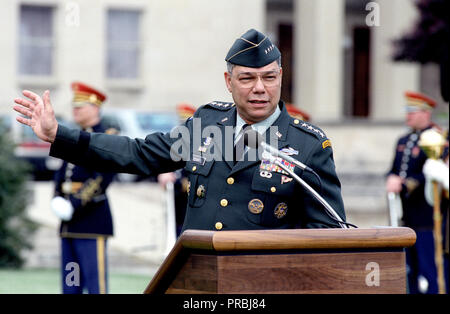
254, 140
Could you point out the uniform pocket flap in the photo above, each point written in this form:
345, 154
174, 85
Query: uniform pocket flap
199, 166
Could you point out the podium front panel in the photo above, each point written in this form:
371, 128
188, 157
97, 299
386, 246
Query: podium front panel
310, 272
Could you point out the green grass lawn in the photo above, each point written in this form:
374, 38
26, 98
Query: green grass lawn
35, 281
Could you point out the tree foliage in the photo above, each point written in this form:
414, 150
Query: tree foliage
428, 40
16, 228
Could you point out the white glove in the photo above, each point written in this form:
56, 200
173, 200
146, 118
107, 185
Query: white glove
436, 170
62, 208
429, 196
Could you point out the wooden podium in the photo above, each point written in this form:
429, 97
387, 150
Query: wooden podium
286, 261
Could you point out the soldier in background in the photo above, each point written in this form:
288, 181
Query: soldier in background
81, 203
407, 179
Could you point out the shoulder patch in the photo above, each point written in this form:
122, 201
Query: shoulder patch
220, 105
309, 128
326, 144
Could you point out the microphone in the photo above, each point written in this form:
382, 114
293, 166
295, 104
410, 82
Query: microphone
253, 139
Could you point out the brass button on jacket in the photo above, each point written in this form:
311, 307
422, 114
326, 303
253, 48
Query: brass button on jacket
219, 225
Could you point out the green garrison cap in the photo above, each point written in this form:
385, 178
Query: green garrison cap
253, 49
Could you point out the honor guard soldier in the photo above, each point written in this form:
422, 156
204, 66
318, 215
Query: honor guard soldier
82, 205
228, 188
407, 179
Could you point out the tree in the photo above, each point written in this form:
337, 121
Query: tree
428, 42
15, 227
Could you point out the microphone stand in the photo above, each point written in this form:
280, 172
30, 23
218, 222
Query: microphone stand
267, 156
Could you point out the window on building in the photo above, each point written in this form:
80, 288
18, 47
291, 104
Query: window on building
123, 44
286, 46
36, 43
361, 71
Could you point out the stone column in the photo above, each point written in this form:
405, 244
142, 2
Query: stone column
390, 80
319, 58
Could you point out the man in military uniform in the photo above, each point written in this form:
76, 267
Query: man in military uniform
407, 179
231, 191
82, 205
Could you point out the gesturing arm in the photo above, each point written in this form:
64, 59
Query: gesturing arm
113, 153
98, 151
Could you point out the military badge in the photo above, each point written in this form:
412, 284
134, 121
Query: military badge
265, 174
255, 206
310, 128
326, 144
285, 179
280, 210
201, 191
289, 151
268, 166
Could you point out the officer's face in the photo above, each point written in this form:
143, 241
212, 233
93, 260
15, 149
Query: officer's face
85, 115
419, 119
256, 91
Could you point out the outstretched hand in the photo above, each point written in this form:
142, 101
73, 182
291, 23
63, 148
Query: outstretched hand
39, 114
394, 183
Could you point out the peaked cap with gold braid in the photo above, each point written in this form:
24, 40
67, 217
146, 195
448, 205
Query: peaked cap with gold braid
84, 94
418, 101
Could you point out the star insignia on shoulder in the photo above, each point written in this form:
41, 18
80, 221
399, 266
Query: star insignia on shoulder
221, 105
311, 129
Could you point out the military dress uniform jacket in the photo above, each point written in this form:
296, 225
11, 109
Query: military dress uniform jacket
408, 164
222, 195
85, 188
